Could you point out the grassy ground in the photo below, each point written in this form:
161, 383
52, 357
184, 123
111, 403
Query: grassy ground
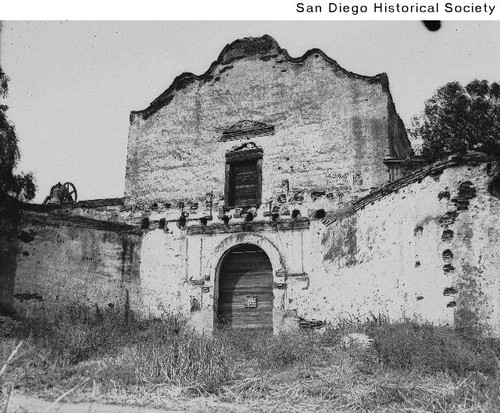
104, 357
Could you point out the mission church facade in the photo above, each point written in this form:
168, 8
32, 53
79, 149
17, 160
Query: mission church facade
249, 153
272, 192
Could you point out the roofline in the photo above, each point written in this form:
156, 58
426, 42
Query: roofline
186, 78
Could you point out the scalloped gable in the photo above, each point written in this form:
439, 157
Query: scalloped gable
264, 48
249, 46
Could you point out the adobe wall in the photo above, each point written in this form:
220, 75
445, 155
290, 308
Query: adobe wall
104, 210
9, 249
179, 270
62, 261
425, 247
331, 131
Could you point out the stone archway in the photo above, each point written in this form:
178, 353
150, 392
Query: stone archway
217, 257
245, 289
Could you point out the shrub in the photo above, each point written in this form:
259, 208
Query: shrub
428, 348
135, 352
288, 349
184, 358
76, 334
243, 344
268, 351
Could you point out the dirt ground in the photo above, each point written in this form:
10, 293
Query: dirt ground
20, 403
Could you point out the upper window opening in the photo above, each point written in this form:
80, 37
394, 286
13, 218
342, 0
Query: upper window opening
244, 176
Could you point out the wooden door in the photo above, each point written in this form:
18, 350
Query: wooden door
246, 289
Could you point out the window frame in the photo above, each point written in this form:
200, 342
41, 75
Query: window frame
240, 156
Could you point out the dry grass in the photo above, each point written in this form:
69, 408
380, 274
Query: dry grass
105, 358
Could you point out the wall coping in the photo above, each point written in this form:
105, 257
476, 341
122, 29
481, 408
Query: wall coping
78, 221
435, 169
90, 203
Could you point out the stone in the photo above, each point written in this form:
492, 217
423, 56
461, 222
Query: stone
356, 340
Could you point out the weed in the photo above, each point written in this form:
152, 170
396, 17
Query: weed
429, 348
408, 366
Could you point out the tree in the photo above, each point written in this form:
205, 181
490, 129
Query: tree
21, 186
458, 118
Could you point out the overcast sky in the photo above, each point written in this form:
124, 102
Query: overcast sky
73, 84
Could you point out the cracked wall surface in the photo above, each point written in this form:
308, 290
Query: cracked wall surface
343, 243
423, 247
64, 262
415, 253
9, 250
324, 133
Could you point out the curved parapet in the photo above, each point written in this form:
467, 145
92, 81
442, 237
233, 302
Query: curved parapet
264, 48
326, 126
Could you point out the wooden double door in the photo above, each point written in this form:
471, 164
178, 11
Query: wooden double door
246, 289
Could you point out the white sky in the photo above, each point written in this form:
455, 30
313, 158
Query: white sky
73, 84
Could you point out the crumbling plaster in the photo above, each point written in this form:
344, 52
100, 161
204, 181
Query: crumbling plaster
178, 268
82, 262
332, 129
424, 246
388, 255
402, 256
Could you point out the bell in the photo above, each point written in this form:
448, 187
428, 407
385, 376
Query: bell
55, 194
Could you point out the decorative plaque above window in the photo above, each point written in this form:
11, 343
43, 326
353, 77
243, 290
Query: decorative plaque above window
246, 129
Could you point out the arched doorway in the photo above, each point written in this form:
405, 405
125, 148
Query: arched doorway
245, 298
